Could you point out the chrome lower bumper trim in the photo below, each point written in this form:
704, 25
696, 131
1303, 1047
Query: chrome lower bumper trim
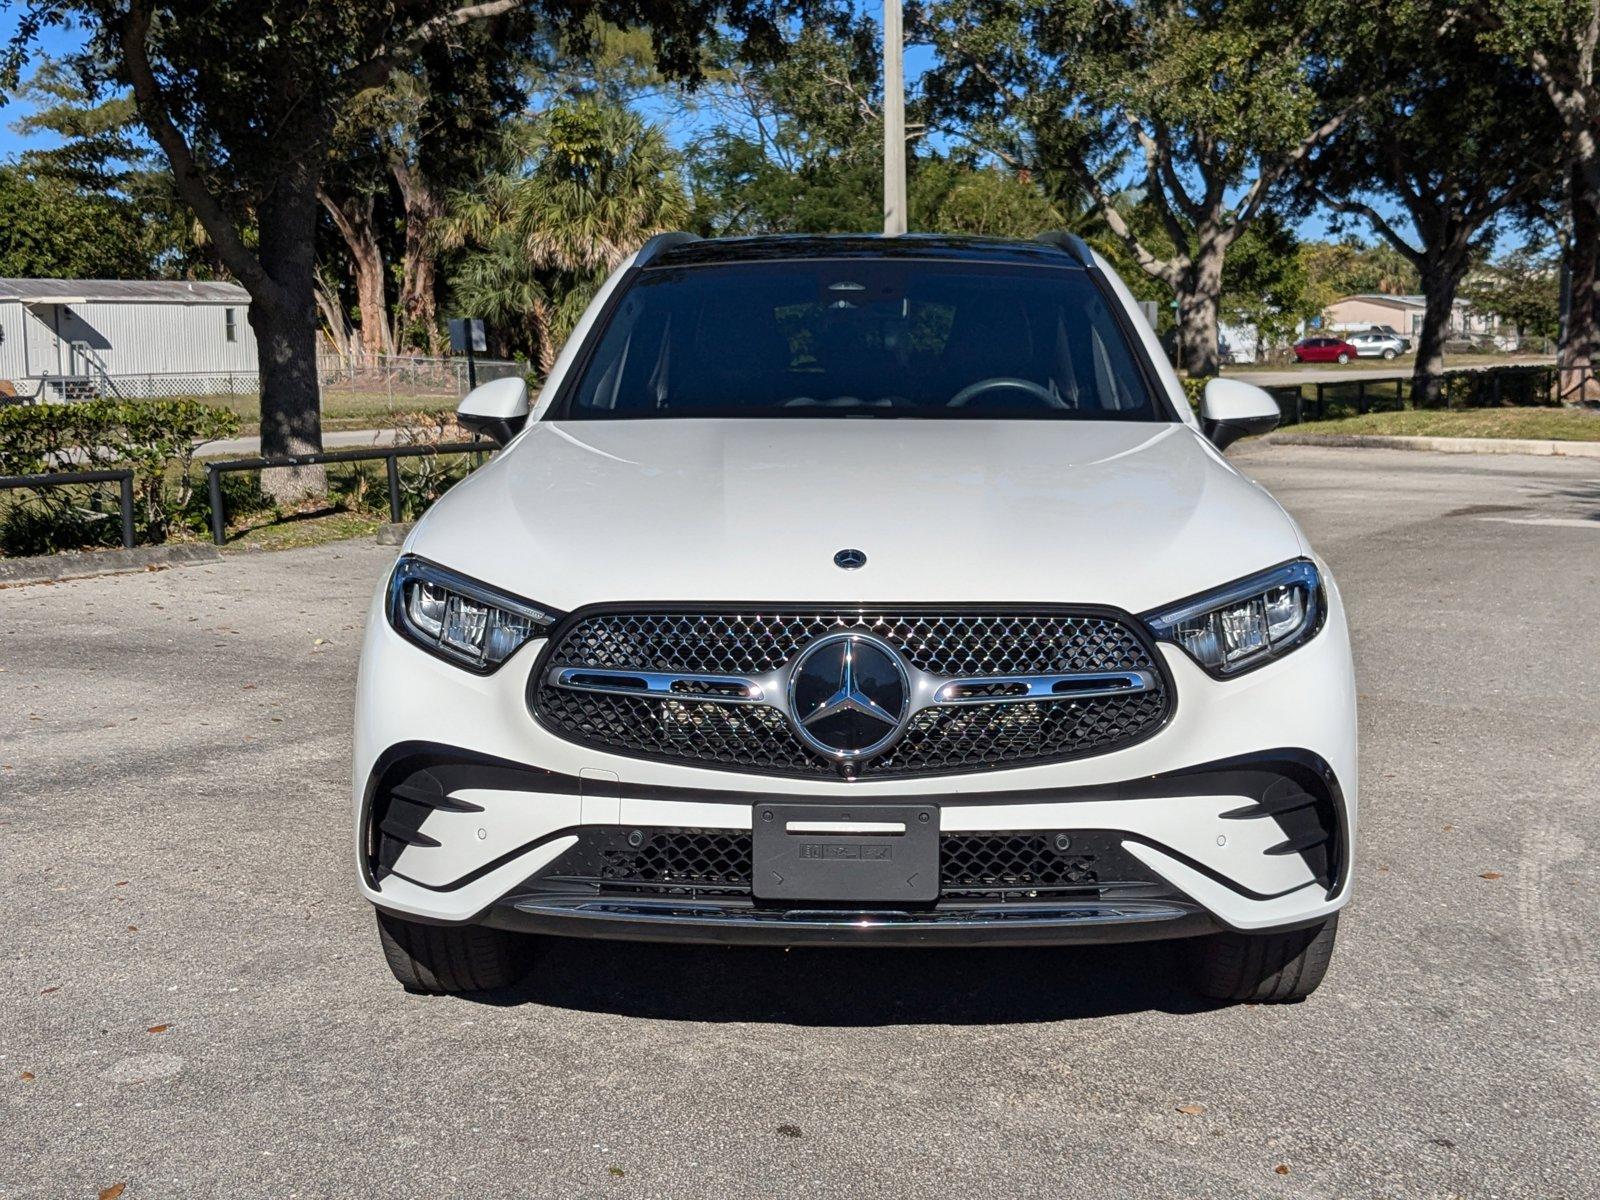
1019, 924
832, 918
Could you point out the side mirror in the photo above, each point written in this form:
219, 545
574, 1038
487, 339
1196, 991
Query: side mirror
1231, 410
497, 409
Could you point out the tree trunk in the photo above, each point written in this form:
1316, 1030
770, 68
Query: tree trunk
419, 265
543, 320
1580, 336
334, 320
353, 219
1441, 276
376, 339
291, 407
1198, 303
285, 324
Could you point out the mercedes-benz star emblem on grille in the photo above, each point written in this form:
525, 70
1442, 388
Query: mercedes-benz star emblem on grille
849, 695
850, 559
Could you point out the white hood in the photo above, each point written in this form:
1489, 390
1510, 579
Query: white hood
1130, 514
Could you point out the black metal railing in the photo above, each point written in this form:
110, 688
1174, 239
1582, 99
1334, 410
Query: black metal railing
1491, 387
390, 454
64, 478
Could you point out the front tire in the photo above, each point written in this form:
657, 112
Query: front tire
448, 959
1343, 358
1387, 355
1265, 968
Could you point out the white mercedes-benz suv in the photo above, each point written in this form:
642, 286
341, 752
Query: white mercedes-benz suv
859, 591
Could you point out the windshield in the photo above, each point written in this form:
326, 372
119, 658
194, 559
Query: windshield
853, 338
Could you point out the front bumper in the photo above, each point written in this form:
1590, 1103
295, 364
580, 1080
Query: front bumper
1240, 814
1124, 862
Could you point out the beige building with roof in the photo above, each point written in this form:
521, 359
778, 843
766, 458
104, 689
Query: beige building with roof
1402, 314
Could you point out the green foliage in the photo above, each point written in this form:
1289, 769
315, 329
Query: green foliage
798, 144
1264, 281
1556, 29
739, 189
1523, 289
1351, 267
799, 150
575, 192
100, 153
99, 147
51, 227
953, 197
156, 438
243, 98
1064, 86
1209, 108
78, 517
1456, 134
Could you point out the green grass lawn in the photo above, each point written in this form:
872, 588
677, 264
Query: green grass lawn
342, 409
294, 530
1553, 424
1402, 362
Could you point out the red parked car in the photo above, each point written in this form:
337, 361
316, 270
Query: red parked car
1324, 349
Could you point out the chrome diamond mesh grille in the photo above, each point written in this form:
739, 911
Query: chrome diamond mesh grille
758, 738
716, 643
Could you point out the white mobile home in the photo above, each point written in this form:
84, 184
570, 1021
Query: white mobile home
71, 338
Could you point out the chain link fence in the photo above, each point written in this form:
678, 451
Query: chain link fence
353, 389
407, 380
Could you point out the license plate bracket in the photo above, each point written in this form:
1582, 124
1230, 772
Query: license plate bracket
851, 853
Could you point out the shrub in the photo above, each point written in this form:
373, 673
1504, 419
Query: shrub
426, 477
156, 438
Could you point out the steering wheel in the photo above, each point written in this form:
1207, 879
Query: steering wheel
967, 394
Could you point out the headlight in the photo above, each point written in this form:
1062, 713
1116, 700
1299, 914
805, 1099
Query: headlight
459, 618
1244, 625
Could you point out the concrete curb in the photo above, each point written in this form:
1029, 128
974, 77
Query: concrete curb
1441, 445
80, 564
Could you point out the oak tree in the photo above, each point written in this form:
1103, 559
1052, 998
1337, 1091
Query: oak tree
1212, 107
1560, 41
243, 97
1451, 142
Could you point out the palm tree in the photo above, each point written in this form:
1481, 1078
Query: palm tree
575, 191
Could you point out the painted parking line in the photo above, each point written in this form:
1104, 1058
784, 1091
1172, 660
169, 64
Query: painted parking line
1564, 522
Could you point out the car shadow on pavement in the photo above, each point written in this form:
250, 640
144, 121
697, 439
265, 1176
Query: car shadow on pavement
853, 987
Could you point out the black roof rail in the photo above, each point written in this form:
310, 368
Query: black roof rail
1071, 243
661, 243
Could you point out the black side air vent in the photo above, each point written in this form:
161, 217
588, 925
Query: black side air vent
1310, 825
401, 802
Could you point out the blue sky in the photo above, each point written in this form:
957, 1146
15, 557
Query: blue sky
53, 41
59, 41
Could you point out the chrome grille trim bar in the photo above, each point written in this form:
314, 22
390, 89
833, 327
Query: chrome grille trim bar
927, 690
658, 684
1091, 685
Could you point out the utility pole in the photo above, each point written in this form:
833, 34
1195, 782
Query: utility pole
894, 120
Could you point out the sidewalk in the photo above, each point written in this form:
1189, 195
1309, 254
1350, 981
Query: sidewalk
1442, 445
333, 439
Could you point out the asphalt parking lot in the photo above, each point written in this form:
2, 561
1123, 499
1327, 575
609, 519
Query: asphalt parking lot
193, 1002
